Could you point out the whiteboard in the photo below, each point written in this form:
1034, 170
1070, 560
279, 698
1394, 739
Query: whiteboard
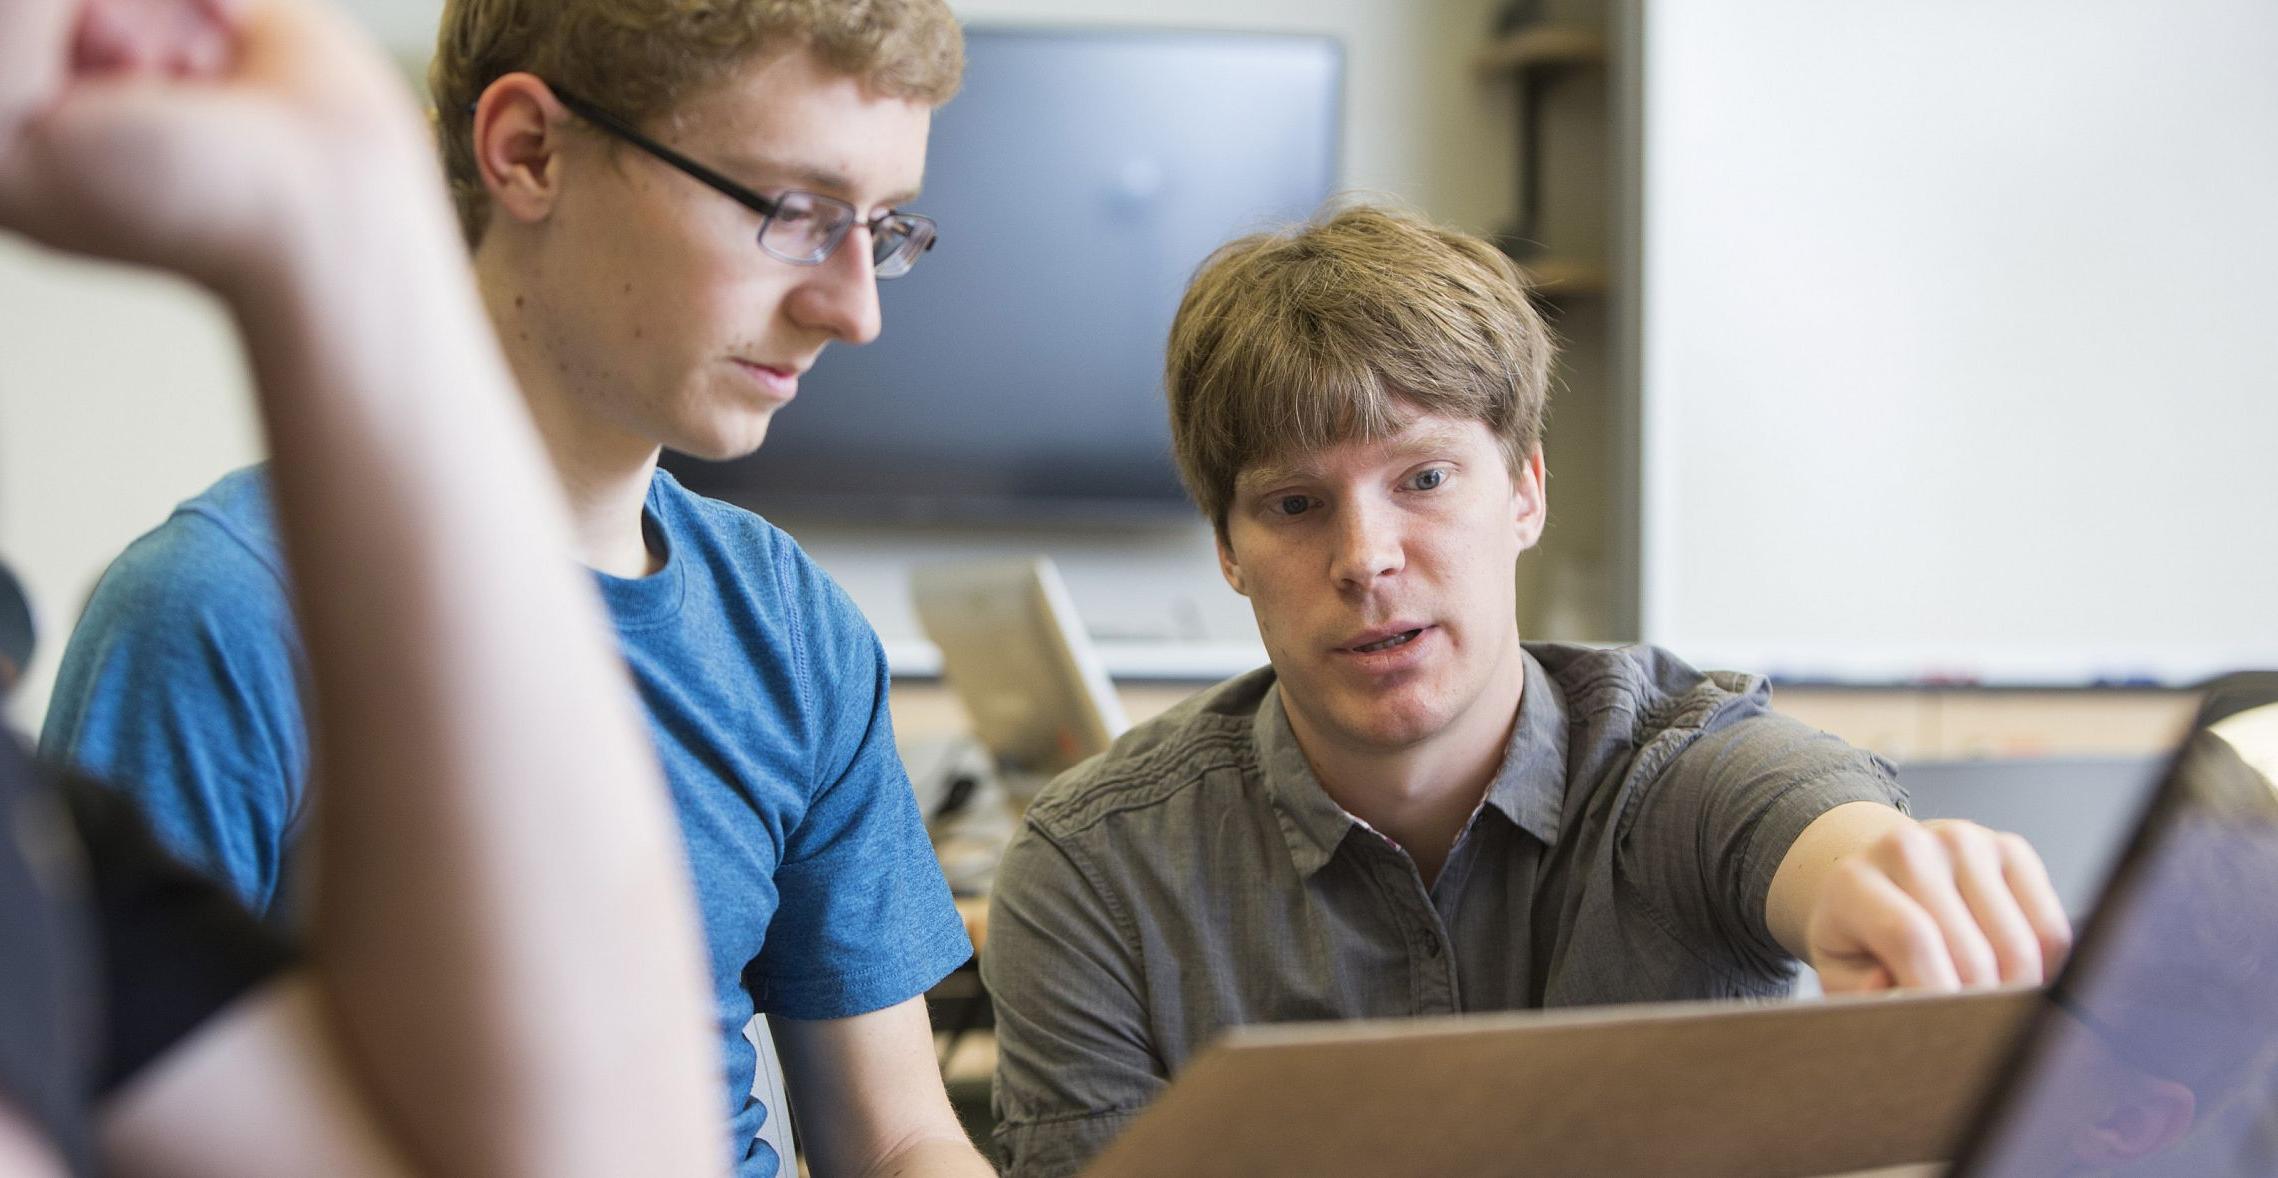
1959, 337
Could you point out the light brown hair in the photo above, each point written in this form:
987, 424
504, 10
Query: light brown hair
637, 59
1341, 330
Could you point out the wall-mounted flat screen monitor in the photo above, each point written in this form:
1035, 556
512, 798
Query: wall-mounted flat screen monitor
1079, 178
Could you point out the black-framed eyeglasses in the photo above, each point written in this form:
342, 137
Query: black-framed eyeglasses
801, 228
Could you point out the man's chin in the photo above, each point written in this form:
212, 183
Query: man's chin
1389, 725
720, 448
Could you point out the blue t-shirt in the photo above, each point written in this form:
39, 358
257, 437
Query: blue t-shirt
766, 695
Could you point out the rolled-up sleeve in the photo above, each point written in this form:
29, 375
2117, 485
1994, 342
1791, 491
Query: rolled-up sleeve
1075, 1061
1715, 824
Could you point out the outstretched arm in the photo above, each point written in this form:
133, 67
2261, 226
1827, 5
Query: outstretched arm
1873, 900
504, 954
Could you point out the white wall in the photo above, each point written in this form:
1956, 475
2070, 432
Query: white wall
1958, 336
122, 394
119, 397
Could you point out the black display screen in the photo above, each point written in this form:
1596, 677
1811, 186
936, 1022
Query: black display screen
1079, 178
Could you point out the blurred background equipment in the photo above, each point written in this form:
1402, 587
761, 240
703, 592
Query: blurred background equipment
1019, 660
1079, 178
17, 636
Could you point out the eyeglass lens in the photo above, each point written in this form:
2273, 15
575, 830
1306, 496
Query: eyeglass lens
806, 228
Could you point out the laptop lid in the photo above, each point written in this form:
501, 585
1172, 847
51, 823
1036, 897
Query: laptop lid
2154, 1050
1020, 661
1711, 1089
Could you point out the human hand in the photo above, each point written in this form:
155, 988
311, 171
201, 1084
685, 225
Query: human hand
1937, 905
211, 137
181, 38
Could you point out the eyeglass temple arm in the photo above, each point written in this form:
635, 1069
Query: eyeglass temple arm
625, 131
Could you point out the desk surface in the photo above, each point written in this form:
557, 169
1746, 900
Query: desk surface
975, 910
1904, 725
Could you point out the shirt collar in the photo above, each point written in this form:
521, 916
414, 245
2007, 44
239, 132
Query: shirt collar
1529, 789
1311, 821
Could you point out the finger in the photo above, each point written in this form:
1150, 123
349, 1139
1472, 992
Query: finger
140, 167
2028, 880
104, 40
1875, 917
203, 46
1859, 976
207, 54
227, 14
1984, 885
287, 47
35, 45
176, 38
1916, 859
208, 35
122, 36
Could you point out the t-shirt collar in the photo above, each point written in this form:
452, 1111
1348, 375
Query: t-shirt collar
636, 602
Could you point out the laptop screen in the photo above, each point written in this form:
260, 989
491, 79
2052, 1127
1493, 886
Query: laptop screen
2157, 1051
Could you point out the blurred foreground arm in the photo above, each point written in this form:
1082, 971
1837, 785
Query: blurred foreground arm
506, 970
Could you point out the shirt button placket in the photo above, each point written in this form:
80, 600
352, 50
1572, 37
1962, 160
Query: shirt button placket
1431, 976
1434, 967
1435, 971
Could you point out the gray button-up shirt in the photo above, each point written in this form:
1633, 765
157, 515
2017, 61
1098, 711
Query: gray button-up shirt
1197, 877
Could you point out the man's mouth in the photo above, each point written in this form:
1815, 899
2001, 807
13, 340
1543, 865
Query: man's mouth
1403, 638
780, 380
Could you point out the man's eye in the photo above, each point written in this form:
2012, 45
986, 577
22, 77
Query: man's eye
1428, 479
1291, 505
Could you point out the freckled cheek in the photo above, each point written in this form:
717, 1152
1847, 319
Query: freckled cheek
1276, 611
765, 302
712, 283
1270, 628
1309, 627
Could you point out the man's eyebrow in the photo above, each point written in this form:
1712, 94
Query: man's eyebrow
1266, 474
805, 176
1432, 440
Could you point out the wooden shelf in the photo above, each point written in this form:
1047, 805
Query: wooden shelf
1543, 47
1565, 278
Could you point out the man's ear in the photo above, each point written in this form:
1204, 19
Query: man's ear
1530, 499
1228, 567
518, 138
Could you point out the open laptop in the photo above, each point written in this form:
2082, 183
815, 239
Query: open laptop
1019, 659
2151, 1054
2155, 1049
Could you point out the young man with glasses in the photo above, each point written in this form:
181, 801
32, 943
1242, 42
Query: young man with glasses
673, 211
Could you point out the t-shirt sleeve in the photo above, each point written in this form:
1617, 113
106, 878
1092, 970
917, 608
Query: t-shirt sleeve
180, 688
175, 947
864, 918
1714, 825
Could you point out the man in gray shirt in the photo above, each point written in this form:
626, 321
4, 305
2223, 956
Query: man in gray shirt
1411, 811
